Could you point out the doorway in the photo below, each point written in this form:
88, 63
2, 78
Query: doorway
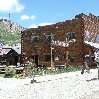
35, 58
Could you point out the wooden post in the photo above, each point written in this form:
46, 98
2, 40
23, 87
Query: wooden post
66, 53
51, 57
52, 63
98, 71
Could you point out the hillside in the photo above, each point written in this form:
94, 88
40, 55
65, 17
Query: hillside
10, 32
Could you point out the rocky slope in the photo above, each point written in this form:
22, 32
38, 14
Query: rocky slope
10, 32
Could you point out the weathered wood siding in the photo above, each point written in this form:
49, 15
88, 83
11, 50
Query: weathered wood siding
60, 30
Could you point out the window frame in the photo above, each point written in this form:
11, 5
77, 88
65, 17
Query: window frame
70, 37
97, 38
34, 41
51, 37
71, 57
47, 58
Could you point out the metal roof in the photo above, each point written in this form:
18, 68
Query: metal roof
7, 48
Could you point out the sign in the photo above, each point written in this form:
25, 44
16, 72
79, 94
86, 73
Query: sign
60, 43
56, 58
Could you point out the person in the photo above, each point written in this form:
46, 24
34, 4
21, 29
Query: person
85, 65
96, 54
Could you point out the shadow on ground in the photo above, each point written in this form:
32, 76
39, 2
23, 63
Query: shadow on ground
92, 79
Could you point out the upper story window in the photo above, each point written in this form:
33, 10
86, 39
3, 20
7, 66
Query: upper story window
49, 38
87, 36
34, 39
71, 37
97, 38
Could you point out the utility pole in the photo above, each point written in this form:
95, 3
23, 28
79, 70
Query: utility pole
9, 21
66, 52
9, 17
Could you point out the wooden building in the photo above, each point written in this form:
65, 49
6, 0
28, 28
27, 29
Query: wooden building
10, 56
61, 43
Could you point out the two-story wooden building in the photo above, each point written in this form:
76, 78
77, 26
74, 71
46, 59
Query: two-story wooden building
61, 43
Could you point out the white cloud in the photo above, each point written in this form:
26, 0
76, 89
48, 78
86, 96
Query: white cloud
26, 17
41, 24
10, 6
33, 26
3, 17
32, 17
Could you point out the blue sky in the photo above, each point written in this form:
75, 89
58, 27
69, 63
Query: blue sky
31, 13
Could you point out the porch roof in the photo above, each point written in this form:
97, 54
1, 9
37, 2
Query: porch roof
94, 45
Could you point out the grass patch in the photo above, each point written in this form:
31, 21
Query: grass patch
11, 72
47, 71
2, 75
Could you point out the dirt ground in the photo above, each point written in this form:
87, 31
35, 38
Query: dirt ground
95, 95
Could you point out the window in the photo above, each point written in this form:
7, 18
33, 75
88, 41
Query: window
71, 37
34, 39
87, 36
97, 38
49, 37
71, 57
48, 58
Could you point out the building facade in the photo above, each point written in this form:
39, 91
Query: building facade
10, 55
61, 43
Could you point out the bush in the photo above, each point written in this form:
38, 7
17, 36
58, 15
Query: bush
17, 76
31, 65
9, 72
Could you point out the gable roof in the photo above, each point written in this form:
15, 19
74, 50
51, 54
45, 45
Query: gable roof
5, 51
7, 48
18, 50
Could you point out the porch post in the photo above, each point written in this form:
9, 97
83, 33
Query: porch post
66, 58
66, 53
52, 63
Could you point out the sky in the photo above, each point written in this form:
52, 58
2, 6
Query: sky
33, 13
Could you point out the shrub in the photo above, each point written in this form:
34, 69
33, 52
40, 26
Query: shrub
9, 72
31, 65
17, 76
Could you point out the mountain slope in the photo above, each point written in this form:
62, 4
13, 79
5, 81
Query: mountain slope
10, 32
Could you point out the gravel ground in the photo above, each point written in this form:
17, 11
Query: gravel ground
71, 85
94, 95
